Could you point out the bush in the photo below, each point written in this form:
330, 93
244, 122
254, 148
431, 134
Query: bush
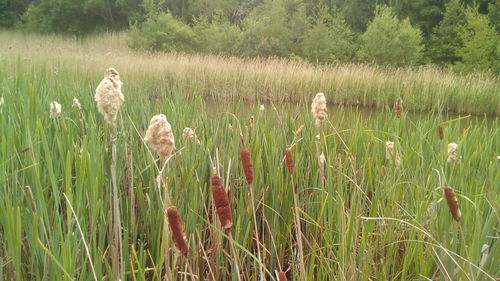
216, 37
329, 40
162, 32
389, 41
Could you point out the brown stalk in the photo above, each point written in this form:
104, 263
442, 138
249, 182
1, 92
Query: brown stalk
452, 201
289, 160
221, 202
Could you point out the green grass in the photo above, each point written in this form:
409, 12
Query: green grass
370, 221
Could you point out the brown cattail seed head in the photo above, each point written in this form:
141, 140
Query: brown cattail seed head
160, 136
452, 152
221, 202
289, 160
398, 107
246, 161
318, 109
282, 276
452, 201
177, 228
440, 132
55, 109
108, 95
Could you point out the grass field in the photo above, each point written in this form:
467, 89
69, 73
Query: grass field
357, 216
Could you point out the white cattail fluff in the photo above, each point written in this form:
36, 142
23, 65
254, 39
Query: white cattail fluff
318, 109
391, 154
452, 152
160, 136
108, 95
55, 109
2, 101
76, 103
262, 107
485, 250
189, 133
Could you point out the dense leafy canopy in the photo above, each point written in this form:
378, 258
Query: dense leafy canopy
460, 34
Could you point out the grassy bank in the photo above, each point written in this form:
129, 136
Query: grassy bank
276, 80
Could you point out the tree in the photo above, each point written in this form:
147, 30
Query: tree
444, 41
11, 11
162, 32
217, 37
329, 39
480, 50
390, 41
274, 28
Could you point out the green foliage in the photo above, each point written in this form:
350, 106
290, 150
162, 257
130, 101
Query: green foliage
444, 41
80, 17
329, 40
481, 43
162, 32
390, 41
11, 11
274, 28
218, 36
494, 14
423, 14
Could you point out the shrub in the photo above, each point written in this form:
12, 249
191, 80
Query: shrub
216, 37
162, 32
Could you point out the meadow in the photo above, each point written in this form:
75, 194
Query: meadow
346, 212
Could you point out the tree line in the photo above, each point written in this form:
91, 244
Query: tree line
462, 35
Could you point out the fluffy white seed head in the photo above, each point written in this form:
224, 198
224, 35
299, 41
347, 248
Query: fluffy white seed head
452, 152
318, 109
189, 133
2, 101
391, 154
76, 103
108, 95
55, 109
160, 135
262, 107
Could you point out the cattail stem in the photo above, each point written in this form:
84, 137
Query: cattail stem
117, 249
254, 213
233, 253
298, 234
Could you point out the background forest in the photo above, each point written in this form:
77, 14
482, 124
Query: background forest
460, 35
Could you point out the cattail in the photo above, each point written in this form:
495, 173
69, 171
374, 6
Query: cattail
55, 109
108, 95
282, 276
160, 136
246, 161
230, 127
322, 161
221, 202
452, 152
440, 132
398, 107
289, 160
452, 201
189, 133
262, 107
391, 154
318, 109
76, 103
299, 130
177, 228
485, 251
252, 119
